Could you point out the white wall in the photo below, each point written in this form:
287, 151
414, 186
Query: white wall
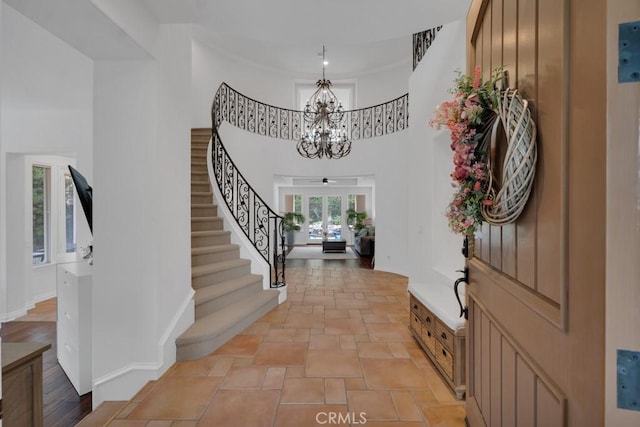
15, 299
172, 177
134, 115
384, 85
213, 66
45, 108
384, 158
260, 158
432, 247
142, 262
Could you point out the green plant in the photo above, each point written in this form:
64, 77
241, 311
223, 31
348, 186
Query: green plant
356, 219
292, 221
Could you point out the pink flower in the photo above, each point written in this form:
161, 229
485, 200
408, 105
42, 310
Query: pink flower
463, 116
460, 173
477, 72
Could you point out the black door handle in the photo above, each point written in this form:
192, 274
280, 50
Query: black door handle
464, 311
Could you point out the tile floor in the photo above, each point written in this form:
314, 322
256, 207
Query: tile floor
337, 352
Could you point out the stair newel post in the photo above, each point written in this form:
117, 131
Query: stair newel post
278, 253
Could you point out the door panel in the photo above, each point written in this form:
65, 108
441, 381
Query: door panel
315, 218
536, 294
508, 388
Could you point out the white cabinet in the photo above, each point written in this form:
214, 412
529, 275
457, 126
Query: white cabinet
74, 323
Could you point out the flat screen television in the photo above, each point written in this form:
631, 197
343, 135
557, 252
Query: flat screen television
85, 194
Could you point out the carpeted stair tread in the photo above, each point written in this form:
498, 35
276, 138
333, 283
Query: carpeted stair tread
210, 233
214, 249
202, 270
209, 327
211, 292
203, 205
206, 219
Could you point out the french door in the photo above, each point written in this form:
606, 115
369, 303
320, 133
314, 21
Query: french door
324, 218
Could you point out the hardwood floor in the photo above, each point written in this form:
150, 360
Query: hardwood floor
62, 405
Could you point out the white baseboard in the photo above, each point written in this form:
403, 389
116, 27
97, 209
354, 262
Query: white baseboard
7, 317
124, 383
43, 297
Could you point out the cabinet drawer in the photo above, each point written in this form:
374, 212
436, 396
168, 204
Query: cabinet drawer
427, 318
414, 321
69, 323
67, 290
428, 338
445, 335
444, 359
414, 305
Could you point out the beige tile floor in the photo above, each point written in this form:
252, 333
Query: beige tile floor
337, 352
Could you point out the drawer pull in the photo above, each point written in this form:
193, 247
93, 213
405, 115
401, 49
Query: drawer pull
429, 334
444, 336
415, 306
444, 353
427, 319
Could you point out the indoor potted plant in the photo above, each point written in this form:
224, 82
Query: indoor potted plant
291, 222
356, 219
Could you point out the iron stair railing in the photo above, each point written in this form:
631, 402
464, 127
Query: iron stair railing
261, 225
263, 119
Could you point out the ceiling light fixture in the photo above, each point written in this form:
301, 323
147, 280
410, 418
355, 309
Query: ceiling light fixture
322, 116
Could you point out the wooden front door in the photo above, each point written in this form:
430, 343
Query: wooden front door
536, 295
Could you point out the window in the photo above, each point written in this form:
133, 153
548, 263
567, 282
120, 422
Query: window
345, 92
41, 185
351, 202
297, 203
69, 215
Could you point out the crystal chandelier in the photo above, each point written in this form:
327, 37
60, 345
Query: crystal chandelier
322, 116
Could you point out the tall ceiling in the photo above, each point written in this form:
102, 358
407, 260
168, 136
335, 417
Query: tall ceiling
361, 35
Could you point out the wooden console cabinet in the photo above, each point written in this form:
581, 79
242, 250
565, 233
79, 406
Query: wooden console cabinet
444, 346
22, 384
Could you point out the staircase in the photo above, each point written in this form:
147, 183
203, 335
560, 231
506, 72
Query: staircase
228, 298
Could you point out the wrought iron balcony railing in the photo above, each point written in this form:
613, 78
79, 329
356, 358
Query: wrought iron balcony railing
261, 224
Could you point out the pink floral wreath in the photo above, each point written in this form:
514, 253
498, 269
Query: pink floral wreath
470, 118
